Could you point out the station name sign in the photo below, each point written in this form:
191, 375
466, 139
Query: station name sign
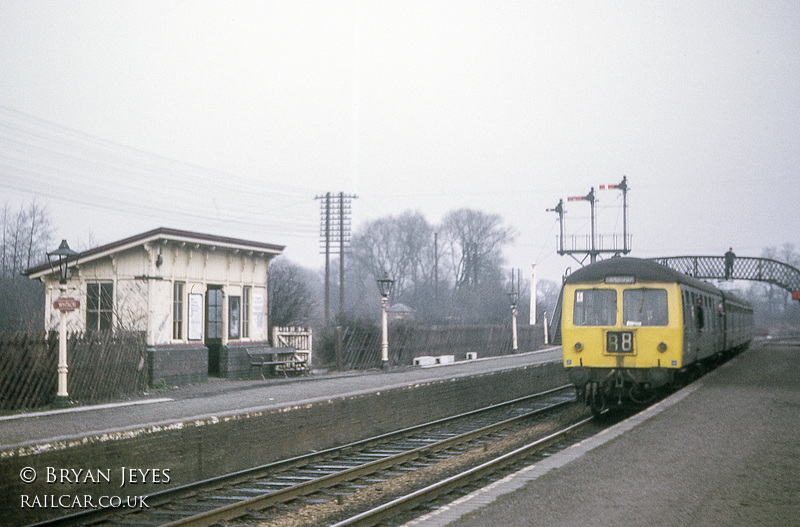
67, 304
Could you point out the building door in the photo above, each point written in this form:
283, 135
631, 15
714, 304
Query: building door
213, 327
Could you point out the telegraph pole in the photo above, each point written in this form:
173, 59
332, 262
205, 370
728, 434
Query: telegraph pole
327, 234
436, 266
335, 213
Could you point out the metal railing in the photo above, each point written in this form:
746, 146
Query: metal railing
743, 268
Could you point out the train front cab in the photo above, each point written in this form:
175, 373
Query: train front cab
621, 341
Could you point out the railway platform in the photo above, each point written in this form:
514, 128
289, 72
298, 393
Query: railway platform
222, 397
722, 451
219, 427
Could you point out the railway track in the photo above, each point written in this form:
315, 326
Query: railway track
418, 502
341, 484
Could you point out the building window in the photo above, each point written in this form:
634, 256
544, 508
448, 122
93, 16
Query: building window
246, 312
177, 310
99, 306
234, 316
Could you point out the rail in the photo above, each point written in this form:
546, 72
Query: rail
234, 510
394, 507
220, 499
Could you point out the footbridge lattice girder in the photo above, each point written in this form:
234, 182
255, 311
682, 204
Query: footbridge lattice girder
744, 268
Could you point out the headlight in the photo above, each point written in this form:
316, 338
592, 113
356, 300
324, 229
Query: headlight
578, 346
662, 347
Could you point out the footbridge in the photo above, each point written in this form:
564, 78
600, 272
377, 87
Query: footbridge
744, 268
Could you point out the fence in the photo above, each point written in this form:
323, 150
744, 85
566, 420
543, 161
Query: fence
102, 366
358, 347
294, 337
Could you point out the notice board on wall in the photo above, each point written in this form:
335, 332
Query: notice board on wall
258, 311
195, 323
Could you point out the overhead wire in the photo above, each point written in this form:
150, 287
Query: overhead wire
90, 171
44, 158
38, 129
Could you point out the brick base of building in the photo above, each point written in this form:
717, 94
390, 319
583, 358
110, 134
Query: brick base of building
177, 365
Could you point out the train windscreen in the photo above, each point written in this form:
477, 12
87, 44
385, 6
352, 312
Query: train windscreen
645, 307
595, 307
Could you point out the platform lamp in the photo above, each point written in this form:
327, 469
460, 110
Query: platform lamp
63, 304
64, 255
513, 296
385, 285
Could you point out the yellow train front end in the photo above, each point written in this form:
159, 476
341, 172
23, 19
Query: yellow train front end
622, 338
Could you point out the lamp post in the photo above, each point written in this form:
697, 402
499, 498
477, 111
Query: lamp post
385, 285
63, 254
514, 342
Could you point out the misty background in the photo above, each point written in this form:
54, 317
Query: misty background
119, 117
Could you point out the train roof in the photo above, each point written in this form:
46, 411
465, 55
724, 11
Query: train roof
641, 270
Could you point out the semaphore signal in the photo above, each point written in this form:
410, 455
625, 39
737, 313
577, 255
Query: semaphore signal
592, 248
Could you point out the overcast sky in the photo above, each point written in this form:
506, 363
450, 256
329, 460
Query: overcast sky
230, 117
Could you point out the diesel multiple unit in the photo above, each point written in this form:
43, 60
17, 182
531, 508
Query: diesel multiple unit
631, 327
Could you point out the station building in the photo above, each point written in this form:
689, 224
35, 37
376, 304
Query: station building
199, 299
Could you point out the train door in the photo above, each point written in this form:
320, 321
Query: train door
688, 328
719, 326
723, 319
698, 326
214, 327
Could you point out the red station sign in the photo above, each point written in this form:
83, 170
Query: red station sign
67, 304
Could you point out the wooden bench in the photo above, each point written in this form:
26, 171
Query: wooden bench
276, 360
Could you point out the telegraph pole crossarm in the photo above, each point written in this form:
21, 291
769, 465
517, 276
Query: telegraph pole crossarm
335, 213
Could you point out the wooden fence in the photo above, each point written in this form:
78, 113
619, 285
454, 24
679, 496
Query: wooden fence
358, 347
102, 366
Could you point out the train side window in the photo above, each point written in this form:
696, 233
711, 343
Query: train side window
645, 307
709, 309
687, 310
699, 315
595, 307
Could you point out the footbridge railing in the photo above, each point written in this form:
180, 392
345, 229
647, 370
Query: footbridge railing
744, 268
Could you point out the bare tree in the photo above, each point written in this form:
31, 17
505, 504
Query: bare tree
547, 293
399, 246
474, 242
294, 294
772, 305
472, 288
25, 237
